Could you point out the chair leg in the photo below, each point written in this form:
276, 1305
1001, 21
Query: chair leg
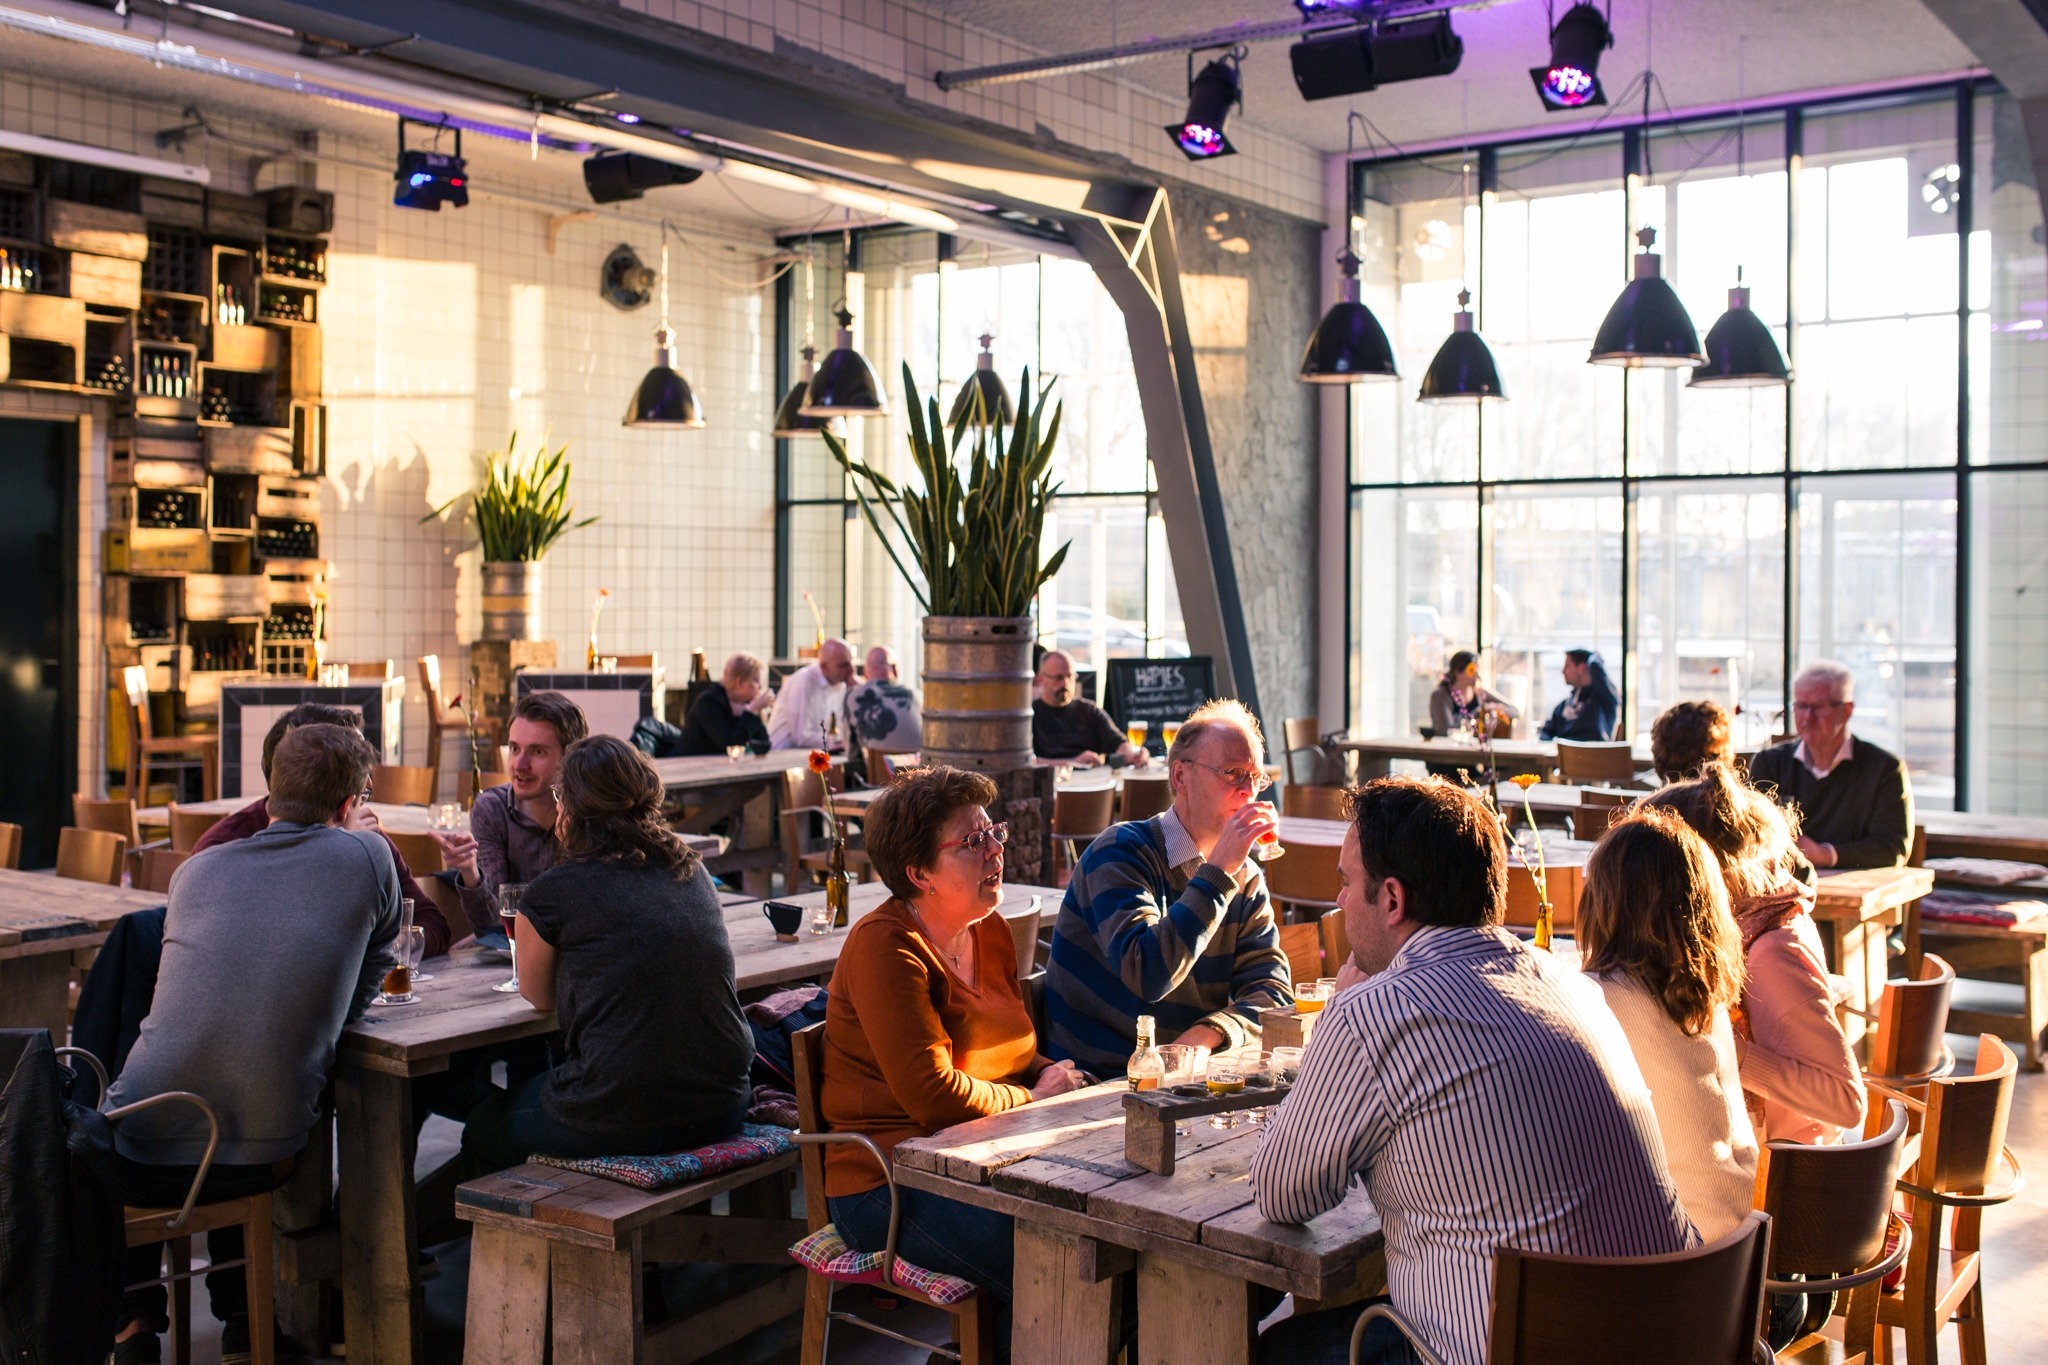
261, 1281
974, 1325
180, 1249
1970, 1323
817, 1318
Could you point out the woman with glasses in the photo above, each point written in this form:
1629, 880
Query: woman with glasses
625, 940
925, 1025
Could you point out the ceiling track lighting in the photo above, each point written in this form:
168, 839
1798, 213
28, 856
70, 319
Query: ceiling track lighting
427, 180
1210, 97
1741, 352
664, 398
982, 400
1349, 345
1647, 328
1572, 78
1463, 370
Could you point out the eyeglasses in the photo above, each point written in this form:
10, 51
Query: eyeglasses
363, 796
1814, 708
1244, 779
978, 841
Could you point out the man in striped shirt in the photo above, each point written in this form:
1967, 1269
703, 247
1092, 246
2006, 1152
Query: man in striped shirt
1169, 916
1483, 1098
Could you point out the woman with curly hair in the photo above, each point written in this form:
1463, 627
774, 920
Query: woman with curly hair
624, 939
1689, 736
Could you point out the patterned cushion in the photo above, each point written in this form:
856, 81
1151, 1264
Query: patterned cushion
1985, 871
754, 1143
828, 1254
1979, 907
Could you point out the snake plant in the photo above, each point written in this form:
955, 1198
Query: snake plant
523, 506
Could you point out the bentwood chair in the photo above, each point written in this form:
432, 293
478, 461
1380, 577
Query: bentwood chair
1306, 877
1962, 1138
1336, 943
115, 817
636, 660
1145, 797
90, 855
146, 752
394, 785
1080, 814
189, 826
157, 865
10, 846
1302, 735
443, 718
1314, 803
1597, 810
1909, 1048
804, 794
372, 670
974, 1318
1699, 1307
1588, 764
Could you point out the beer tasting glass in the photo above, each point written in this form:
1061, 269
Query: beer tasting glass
447, 816
509, 897
1136, 731
1269, 846
1310, 997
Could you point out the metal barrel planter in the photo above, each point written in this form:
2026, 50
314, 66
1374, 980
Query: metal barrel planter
511, 599
977, 691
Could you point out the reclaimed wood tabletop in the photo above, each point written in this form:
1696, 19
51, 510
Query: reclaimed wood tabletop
44, 921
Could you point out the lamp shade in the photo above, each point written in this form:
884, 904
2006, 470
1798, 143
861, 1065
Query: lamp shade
995, 399
845, 384
1647, 326
1741, 352
1349, 345
789, 419
1463, 370
664, 398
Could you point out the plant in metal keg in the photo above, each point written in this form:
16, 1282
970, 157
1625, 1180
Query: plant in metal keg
523, 506
976, 526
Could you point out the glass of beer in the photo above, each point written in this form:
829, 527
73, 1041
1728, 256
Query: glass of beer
398, 981
1136, 731
1168, 730
420, 957
509, 897
1226, 1077
1310, 997
1269, 846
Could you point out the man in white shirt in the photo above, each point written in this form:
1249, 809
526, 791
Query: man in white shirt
812, 702
1468, 1080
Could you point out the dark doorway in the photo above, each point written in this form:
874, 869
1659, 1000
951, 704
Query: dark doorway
38, 631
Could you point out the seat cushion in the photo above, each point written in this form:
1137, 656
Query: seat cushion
825, 1252
1979, 907
753, 1144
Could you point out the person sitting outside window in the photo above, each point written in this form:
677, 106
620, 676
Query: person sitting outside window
1799, 1074
1477, 1087
925, 1025
728, 712
1687, 737
1855, 803
256, 816
1459, 698
1068, 728
1589, 713
1654, 931
808, 715
511, 836
1169, 916
272, 944
624, 939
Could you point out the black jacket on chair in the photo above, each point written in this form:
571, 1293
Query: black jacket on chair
62, 1242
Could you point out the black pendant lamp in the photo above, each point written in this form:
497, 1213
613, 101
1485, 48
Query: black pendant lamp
1647, 326
1741, 352
1463, 371
995, 399
664, 398
1349, 345
845, 385
790, 421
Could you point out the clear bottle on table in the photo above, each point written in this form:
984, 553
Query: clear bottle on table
1147, 1069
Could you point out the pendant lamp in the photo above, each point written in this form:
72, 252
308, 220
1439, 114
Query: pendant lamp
845, 385
664, 398
1647, 326
1463, 371
995, 399
789, 419
1741, 352
1348, 345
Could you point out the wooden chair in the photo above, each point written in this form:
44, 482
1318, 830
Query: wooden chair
10, 846
189, 826
157, 866
1961, 1140
373, 670
974, 1319
884, 765
1024, 938
1597, 810
1313, 803
1145, 797
1302, 735
804, 794
1303, 946
146, 752
1078, 816
90, 855
1336, 944
423, 859
115, 817
1699, 1307
1908, 1049
393, 785
1306, 876
638, 661
1830, 1209
442, 718
469, 786
1585, 764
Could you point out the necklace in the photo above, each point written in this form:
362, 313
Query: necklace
933, 939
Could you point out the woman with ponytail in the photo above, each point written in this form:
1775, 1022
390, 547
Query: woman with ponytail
1798, 1072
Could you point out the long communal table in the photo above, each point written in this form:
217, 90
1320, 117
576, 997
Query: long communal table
1085, 1214
1855, 913
44, 922
715, 788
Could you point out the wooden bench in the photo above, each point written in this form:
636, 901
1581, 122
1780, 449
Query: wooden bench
1990, 952
555, 1264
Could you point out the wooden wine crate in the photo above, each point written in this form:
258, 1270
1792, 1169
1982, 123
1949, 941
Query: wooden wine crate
225, 597
245, 348
110, 281
140, 611
298, 499
249, 450
147, 550
295, 582
51, 333
176, 203
90, 228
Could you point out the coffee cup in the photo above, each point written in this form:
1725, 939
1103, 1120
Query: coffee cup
785, 917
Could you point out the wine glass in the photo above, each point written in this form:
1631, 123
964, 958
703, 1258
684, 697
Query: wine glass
509, 897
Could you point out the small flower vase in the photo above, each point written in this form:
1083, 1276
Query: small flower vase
838, 886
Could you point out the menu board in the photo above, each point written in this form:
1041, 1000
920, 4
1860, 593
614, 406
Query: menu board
1158, 690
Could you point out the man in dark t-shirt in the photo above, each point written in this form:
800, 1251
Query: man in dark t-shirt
1067, 727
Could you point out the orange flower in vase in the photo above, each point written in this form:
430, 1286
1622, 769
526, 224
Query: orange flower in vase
820, 763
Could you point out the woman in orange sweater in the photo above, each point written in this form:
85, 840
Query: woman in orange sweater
925, 1026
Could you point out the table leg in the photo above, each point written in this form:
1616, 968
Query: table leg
1190, 1316
507, 1321
302, 1204
1371, 765
1858, 952
757, 826
1056, 1313
379, 1243
35, 992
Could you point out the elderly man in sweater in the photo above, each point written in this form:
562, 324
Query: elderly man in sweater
1854, 801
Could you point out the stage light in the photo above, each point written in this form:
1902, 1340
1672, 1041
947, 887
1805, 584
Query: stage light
1352, 60
614, 176
427, 180
1647, 326
1572, 79
1349, 344
1210, 95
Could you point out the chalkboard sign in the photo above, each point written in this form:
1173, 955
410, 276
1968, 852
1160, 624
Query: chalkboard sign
1159, 690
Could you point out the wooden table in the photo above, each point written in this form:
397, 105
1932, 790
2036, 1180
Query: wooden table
759, 960
718, 788
1537, 756
1855, 913
395, 818
1084, 1215
1962, 834
44, 922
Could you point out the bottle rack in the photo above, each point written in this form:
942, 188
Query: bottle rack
141, 611
177, 263
241, 398
294, 258
225, 646
179, 318
288, 621
287, 538
157, 509
291, 305
166, 369
234, 504
108, 354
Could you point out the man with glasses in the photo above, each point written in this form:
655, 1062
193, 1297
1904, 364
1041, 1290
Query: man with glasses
1068, 727
1169, 916
1854, 802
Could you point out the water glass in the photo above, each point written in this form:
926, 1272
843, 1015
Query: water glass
406, 905
509, 897
405, 952
1186, 1063
447, 816
821, 917
1286, 1064
1260, 1073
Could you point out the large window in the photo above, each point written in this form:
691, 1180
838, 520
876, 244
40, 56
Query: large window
1710, 542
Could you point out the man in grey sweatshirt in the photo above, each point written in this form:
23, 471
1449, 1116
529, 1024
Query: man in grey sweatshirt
271, 945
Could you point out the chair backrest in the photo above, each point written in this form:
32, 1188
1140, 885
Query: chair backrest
393, 785
371, 670
1300, 732
157, 866
1584, 762
1336, 943
430, 683
90, 855
188, 826
636, 660
804, 789
1145, 797
1699, 1307
1083, 813
135, 686
115, 817
807, 1048
1314, 803
1595, 796
422, 855
1912, 1017
10, 846
1828, 1204
1307, 875
1917, 857
1966, 1121
1024, 938
886, 765
1303, 946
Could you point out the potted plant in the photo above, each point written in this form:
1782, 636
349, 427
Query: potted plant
974, 530
521, 510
